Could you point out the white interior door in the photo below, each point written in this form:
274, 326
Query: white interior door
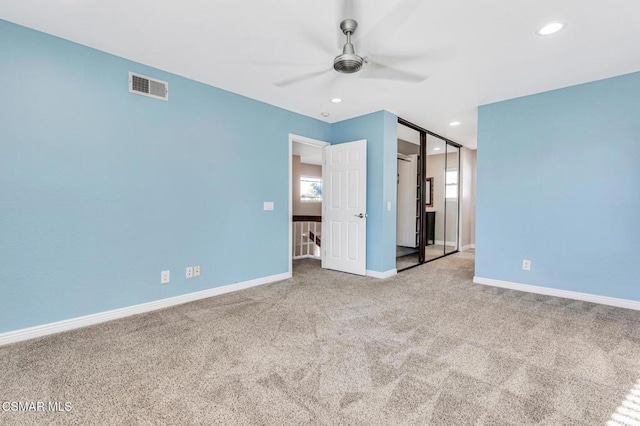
344, 221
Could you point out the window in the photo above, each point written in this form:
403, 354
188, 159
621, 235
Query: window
451, 184
311, 189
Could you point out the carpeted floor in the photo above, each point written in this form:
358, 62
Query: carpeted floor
424, 347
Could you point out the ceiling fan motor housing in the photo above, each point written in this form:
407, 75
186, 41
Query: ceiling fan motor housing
348, 63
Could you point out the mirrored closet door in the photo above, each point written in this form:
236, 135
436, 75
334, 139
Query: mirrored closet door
435, 208
428, 205
408, 198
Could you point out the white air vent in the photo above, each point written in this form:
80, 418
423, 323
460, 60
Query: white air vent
147, 86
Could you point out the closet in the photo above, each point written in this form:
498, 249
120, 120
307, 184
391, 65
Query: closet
428, 201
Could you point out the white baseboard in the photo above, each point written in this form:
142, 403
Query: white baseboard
84, 321
382, 275
593, 298
467, 247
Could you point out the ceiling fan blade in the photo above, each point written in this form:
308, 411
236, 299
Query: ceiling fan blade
378, 35
376, 70
285, 64
328, 84
436, 54
301, 78
388, 60
318, 42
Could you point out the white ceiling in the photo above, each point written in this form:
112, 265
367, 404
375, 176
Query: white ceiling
474, 52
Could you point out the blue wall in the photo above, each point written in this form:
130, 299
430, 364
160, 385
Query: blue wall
380, 131
559, 184
101, 189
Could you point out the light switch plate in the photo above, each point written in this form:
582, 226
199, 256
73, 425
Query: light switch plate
268, 205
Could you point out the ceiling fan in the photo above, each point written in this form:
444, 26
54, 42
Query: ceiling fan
373, 67
348, 62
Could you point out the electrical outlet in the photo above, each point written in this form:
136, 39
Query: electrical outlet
196, 271
526, 265
165, 276
190, 272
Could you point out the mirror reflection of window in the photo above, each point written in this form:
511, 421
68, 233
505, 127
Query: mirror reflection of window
451, 184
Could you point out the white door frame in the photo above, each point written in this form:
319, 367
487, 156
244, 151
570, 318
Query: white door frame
308, 141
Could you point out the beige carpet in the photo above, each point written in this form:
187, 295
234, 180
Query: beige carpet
424, 347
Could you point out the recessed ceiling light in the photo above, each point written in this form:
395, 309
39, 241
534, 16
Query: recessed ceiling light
454, 123
436, 149
550, 28
336, 100
324, 114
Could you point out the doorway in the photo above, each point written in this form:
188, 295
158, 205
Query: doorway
305, 200
327, 189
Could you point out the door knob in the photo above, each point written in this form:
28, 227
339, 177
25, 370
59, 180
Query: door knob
361, 215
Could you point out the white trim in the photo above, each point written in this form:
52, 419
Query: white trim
307, 256
307, 141
290, 219
84, 321
593, 298
467, 247
382, 275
